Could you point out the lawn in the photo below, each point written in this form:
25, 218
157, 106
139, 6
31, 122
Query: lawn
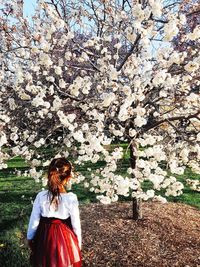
17, 193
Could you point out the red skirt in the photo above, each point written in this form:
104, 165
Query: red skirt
55, 245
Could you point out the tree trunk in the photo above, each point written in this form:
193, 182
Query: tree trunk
136, 203
136, 207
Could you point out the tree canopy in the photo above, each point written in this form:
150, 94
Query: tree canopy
82, 75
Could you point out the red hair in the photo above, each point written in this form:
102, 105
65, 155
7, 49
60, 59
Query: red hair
59, 170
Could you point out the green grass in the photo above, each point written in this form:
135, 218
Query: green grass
189, 196
15, 206
16, 194
17, 162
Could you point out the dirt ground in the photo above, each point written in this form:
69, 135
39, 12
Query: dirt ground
167, 236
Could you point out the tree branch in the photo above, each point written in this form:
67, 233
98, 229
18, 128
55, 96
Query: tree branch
130, 52
193, 13
156, 124
68, 95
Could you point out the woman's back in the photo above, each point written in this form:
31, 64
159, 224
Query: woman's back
52, 240
67, 202
67, 207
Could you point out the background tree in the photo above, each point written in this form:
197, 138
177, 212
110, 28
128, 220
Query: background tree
81, 76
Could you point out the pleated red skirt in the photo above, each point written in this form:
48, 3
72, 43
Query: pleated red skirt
55, 245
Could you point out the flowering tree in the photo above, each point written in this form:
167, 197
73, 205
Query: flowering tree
190, 46
81, 76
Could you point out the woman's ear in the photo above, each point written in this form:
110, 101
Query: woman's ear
69, 184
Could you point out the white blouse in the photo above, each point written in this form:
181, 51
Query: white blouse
68, 206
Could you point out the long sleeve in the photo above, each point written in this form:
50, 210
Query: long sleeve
34, 219
75, 219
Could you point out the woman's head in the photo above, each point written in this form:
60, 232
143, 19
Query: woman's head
59, 173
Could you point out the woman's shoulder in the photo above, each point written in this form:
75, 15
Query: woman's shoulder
70, 195
71, 198
73, 201
42, 193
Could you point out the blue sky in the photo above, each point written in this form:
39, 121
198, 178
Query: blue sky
29, 7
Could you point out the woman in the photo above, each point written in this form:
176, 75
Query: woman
55, 242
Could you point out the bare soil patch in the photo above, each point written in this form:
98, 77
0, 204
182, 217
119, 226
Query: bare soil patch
167, 236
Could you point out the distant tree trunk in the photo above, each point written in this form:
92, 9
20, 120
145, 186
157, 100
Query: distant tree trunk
136, 203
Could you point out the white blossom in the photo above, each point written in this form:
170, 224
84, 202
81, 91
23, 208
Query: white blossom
140, 121
108, 99
191, 66
104, 199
